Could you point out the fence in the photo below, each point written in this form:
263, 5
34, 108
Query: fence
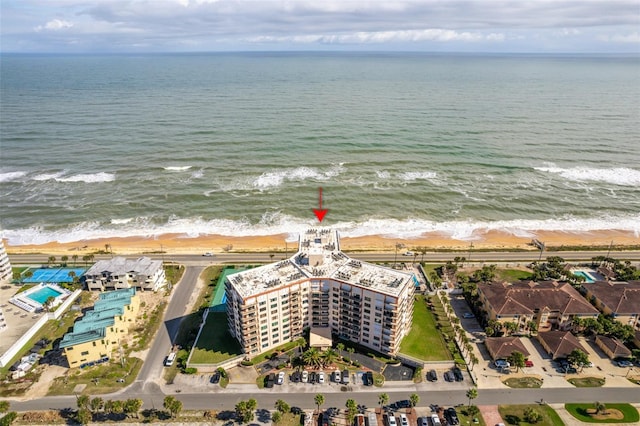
24, 339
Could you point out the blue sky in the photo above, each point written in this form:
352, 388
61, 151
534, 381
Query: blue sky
544, 26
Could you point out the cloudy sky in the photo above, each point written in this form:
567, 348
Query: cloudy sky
381, 25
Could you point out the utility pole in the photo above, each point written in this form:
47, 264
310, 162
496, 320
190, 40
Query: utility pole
609, 251
541, 250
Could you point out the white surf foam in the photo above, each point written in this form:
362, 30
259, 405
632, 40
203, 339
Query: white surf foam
89, 178
413, 176
48, 176
276, 178
10, 176
383, 174
177, 168
277, 223
623, 176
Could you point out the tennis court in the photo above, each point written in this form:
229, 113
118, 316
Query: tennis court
53, 275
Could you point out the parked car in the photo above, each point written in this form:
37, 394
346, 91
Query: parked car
501, 363
423, 421
305, 376
313, 377
215, 378
624, 363
448, 376
451, 416
321, 377
295, 377
369, 377
432, 376
280, 379
345, 377
270, 380
391, 421
468, 315
404, 403
435, 420
457, 374
403, 420
337, 377
528, 363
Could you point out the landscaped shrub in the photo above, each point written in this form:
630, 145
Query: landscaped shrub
246, 363
190, 370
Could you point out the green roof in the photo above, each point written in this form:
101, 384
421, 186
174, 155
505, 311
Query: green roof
73, 338
117, 294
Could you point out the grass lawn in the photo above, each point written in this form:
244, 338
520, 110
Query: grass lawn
629, 413
215, 343
514, 414
523, 382
465, 419
290, 419
424, 341
511, 275
587, 382
173, 273
286, 347
100, 379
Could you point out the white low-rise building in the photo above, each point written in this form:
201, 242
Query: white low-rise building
118, 273
320, 287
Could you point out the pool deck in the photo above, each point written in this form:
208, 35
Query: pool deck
17, 320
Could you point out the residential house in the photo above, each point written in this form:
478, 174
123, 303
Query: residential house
548, 304
503, 347
619, 299
559, 344
117, 273
613, 347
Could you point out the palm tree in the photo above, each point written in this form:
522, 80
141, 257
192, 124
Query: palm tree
319, 400
51, 260
472, 394
340, 348
474, 360
311, 357
351, 351
328, 357
414, 398
423, 251
64, 260
383, 399
75, 259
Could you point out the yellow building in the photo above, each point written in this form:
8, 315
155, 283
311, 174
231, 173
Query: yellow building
99, 332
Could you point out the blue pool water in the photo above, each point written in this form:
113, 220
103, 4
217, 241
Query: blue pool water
43, 294
587, 277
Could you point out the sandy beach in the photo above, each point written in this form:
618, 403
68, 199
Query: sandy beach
181, 244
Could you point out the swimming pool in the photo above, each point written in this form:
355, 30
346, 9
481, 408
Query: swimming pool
587, 278
43, 294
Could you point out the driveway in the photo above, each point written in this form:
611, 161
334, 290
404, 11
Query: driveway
490, 414
398, 372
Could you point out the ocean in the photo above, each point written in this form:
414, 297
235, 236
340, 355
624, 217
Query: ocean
238, 144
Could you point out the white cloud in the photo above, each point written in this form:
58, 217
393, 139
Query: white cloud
622, 38
54, 25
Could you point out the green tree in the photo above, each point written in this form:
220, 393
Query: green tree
132, 406
83, 416
172, 405
578, 358
532, 416
276, 417
414, 398
96, 404
64, 260
340, 348
75, 259
312, 357
600, 407
328, 357
351, 352
282, 406
83, 401
472, 393
318, 400
383, 399
4, 406
117, 407
51, 260
517, 360
8, 418
352, 410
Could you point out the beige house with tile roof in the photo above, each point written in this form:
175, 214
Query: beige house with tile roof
559, 344
503, 347
619, 299
550, 304
613, 347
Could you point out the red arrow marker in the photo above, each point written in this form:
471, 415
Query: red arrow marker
320, 212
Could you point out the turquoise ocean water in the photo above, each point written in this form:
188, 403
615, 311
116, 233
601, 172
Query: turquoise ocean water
238, 144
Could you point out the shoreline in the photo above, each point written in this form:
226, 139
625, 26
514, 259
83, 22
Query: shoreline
182, 244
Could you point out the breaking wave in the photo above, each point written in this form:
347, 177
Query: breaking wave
10, 176
622, 176
88, 178
177, 168
276, 178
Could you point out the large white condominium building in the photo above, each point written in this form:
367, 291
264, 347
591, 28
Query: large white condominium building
320, 287
5, 265
118, 273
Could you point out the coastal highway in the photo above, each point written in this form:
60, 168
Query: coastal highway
265, 257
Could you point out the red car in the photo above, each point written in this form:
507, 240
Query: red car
528, 363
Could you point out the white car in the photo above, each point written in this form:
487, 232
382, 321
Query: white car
391, 420
337, 377
321, 377
305, 376
403, 420
208, 254
280, 378
408, 253
435, 420
501, 363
